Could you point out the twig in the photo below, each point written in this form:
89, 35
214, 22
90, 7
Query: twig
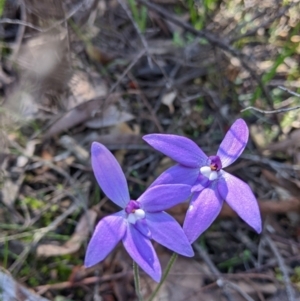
212, 39
252, 31
278, 110
272, 111
40, 234
232, 285
288, 286
140, 164
289, 91
40, 29
274, 164
217, 275
207, 260
20, 33
141, 36
114, 86
148, 106
87, 281
79, 200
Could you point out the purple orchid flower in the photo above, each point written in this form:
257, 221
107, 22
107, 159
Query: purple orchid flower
210, 183
139, 221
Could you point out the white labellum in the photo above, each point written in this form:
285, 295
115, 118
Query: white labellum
207, 172
133, 217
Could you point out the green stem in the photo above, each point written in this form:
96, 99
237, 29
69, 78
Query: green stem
136, 277
165, 275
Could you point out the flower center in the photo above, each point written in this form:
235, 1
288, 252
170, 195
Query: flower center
134, 212
211, 171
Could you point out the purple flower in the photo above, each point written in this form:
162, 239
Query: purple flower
139, 221
210, 183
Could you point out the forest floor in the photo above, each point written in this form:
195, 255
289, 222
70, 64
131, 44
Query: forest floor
112, 71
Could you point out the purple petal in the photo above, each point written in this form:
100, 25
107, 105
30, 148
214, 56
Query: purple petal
241, 199
177, 174
109, 231
109, 175
162, 197
233, 143
204, 209
178, 148
142, 226
201, 183
166, 231
142, 252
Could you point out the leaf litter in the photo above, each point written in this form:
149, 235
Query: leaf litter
65, 82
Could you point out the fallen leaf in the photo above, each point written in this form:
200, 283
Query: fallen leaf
183, 282
29, 151
82, 89
79, 114
75, 148
109, 117
250, 288
83, 228
287, 145
168, 100
10, 190
99, 55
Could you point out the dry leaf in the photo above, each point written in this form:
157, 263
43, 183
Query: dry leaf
75, 148
29, 151
121, 129
168, 100
183, 282
98, 55
250, 288
82, 89
289, 145
77, 115
109, 117
258, 135
83, 228
10, 191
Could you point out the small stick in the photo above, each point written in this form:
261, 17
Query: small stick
286, 279
272, 111
141, 36
279, 110
40, 29
289, 91
217, 274
222, 43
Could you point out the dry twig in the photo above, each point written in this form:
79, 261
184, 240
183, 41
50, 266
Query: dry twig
40, 29
278, 110
217, 41
221, 282
142, 38
288, 286
272, 111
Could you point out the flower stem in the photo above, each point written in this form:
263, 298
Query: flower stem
136, 278
165, 275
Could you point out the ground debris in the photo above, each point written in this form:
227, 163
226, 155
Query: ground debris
10, 290
74, 72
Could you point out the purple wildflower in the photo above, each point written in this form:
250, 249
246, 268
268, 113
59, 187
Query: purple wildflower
139, 221
210, 183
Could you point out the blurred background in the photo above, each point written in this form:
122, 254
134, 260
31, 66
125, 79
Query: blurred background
77, 71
